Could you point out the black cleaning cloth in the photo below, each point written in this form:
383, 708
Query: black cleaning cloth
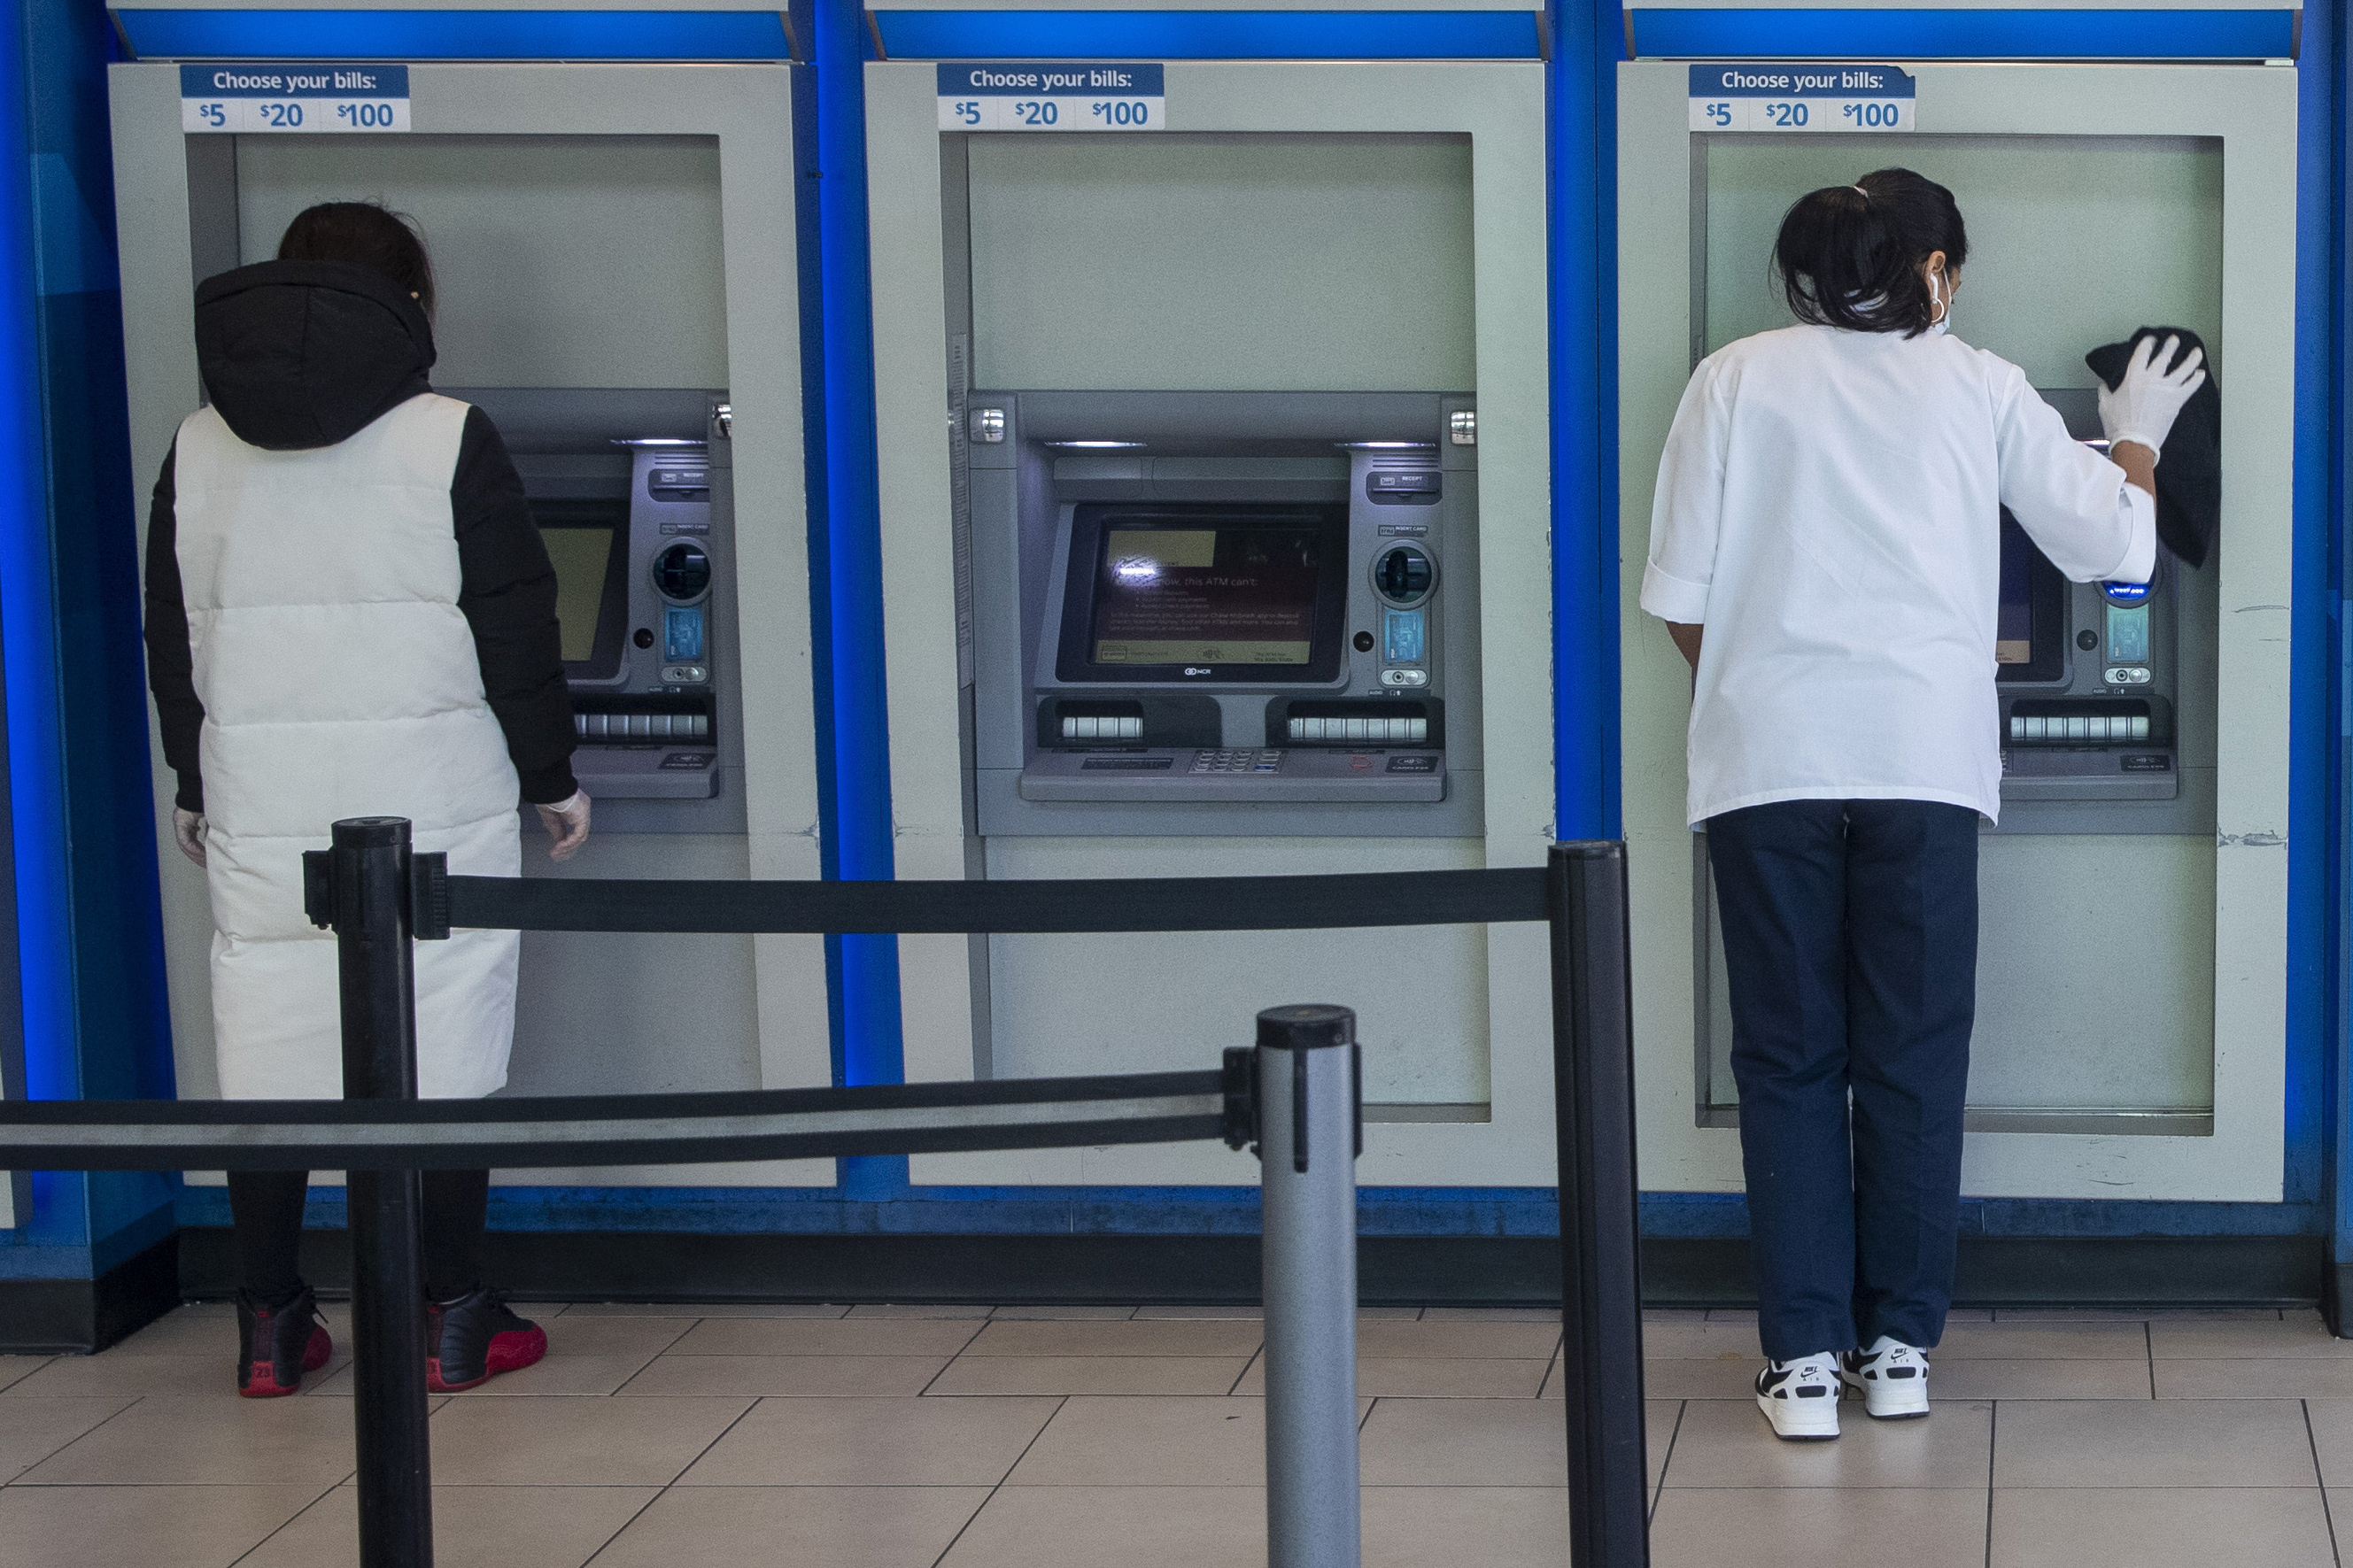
2189, 477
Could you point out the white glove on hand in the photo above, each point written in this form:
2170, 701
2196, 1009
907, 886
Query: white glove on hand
2143, 405
567, 823
188, 833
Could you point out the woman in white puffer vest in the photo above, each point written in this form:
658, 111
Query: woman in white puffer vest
350, 614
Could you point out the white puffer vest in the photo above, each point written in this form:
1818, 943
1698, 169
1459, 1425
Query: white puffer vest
339, 679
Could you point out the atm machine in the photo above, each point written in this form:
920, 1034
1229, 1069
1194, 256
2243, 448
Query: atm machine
2131, 1021
612, 249
1230, 557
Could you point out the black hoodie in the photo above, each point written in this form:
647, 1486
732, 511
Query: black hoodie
301, 354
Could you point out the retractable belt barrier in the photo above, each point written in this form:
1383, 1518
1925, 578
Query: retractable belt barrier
1295, 1095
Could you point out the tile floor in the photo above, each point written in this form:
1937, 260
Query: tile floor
654, 1436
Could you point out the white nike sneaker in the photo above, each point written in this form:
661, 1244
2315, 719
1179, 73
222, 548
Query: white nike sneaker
1891, 1377
1802, 1397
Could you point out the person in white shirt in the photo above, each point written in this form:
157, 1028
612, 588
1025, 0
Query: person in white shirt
1825, 550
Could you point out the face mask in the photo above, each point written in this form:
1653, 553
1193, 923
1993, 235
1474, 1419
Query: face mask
1937, 297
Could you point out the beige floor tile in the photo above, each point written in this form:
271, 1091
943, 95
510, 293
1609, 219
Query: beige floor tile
14, 1369
1494, 1526
1965, 1379
153, 1527
576, 1442
2134, 1527
33, 1429
227, 1442
1148, 1442
779, 1376
873, 1443
2141, 1314
705, 1309
1700, 1341
112, 1375
1151, 1338
1661, 1418
1496, 1315
2153, 1443
2299, 1377
947, 1312
1473, 1341
2041, 1341
204, 1331
1430, 1377
823, 1527
1464, 1443
474, 1527
585, 1356
2303, 1336
1716, 1377
1135, 1527
845, 1336
1732, 1315
1089, 1374
1726, 1443
2332, 1440
1229, 1311
1061, 1314
1552, 1388
1713, 1527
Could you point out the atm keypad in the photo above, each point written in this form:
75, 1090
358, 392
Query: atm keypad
1241, 761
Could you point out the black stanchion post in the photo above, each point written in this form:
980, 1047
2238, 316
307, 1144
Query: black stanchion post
1601, 1298
368, 892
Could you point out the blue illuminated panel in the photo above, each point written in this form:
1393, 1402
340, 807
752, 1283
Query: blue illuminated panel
1209, 35
682, 633
2004, 34
1403, 640
457, 35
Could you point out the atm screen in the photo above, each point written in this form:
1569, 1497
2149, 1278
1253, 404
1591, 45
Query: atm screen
587, 541
1184, 591
2031, 624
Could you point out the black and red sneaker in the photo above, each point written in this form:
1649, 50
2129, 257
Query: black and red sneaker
276, 1345
471, 1340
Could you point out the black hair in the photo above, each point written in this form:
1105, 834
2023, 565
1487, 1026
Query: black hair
363, 232
1850, 255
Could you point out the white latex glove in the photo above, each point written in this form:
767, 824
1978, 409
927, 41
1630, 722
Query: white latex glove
2143, 404
188, 833
567, 823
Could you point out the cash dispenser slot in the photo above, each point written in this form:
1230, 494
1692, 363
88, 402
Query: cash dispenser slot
1355, 725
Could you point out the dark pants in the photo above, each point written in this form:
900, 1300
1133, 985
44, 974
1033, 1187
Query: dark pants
266, 1206
1850, 943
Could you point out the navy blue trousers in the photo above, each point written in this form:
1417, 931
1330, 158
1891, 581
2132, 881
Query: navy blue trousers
1850, 946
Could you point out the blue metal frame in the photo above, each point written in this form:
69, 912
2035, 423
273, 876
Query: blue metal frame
2019, 34
1209, 35
456, 34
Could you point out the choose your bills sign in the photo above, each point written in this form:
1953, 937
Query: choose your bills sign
1050, 95
1780, 97
273, 96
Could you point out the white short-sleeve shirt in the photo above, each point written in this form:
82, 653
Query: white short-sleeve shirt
1829, 507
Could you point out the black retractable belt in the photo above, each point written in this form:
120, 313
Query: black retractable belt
377, 896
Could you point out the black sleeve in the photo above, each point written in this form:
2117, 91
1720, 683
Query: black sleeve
171, 666
507, 591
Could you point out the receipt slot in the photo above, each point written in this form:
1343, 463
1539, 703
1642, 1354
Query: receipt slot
616, 294
2144, 732
1230, 556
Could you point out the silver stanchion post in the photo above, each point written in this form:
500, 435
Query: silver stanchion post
1310, 1129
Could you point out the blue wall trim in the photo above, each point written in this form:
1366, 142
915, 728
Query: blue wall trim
1581, 174
1965, 35
457, 35
1209, 35
865, 966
